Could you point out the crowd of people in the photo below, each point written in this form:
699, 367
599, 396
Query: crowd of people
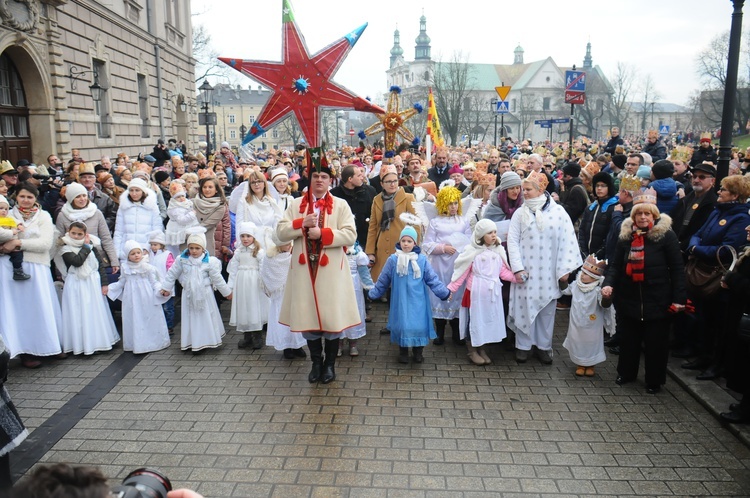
490, 242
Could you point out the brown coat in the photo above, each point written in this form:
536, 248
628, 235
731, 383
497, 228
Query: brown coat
383, 244
327, 304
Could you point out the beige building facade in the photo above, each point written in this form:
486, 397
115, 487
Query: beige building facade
56, 56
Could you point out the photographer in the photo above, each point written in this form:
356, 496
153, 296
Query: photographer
160, 153
49, 189
64, 481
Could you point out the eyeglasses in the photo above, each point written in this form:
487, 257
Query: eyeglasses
723, 189
702, 177
257, 182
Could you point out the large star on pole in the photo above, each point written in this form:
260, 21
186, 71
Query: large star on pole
392, 122
301, 83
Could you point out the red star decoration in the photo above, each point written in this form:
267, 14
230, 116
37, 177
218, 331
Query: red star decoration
301, 84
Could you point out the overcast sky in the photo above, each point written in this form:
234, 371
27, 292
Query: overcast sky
660, 38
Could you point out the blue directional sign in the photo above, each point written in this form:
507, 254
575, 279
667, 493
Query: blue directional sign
575, 81
502, 107
560, 120
544, 123
664, 130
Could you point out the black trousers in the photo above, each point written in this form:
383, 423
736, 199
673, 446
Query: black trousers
654, 336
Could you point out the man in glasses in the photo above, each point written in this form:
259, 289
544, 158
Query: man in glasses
692, 211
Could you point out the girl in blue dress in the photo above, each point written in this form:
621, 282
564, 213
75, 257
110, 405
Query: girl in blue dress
410, 276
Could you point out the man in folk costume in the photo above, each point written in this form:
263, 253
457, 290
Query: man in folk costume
322, 227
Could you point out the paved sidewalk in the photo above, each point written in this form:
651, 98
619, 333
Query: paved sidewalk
236, 423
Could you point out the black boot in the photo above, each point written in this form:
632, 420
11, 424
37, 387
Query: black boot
316, 355
456, 332
440, 331
257, 340
246, 341
18, 274
417, 352
403, 355
329, 372
289, 354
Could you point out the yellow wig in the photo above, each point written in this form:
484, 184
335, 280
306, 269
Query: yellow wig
445, 197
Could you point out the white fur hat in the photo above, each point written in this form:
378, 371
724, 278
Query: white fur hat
138, 183
482, 228
3, 200
130, 245
73, 190
196, 235
157, 236
277, 173
248, 228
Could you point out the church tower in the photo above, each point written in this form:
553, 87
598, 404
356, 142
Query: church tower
587, 64
518, 55
396, 52
422, 49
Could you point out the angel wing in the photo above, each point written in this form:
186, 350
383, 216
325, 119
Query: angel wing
469, 207
426, 212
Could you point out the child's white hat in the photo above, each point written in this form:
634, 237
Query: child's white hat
158, 237
130, 245
3, 200
197, 236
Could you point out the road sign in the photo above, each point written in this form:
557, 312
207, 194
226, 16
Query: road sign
575, 81
502, 92
574, 97
664, 130
502, 107
211, 117
560, 120
544, 123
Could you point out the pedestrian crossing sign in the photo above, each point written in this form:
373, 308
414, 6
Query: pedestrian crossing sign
502, 107
664, 130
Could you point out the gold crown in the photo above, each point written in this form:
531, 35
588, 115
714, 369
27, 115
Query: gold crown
488, 180
595, 266
538, 178
619, 149
541, 150
706, 135
682, 153
481, 166
557, 152
591, 169
647, 196
630, 183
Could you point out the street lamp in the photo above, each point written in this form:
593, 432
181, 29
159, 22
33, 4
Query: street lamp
206, 91
243, 130
730, 93
493, 105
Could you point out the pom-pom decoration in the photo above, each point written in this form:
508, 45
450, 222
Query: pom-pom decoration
416, 142
362, 135
324, 260
391, 124
301, 83
389, 154
418, 107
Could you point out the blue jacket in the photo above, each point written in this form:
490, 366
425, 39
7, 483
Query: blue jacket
666, 194
725, 226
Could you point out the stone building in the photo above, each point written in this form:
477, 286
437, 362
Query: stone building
537, 91
57, 56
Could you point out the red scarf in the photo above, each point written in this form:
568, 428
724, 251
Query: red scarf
324, 205
27, 214
636, 266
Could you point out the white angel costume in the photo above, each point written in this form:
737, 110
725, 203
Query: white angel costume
144, 328
249, 303
273, 274
440, 231
541, 241
87, 325
181, 217
587, 319
358, 262
201, 325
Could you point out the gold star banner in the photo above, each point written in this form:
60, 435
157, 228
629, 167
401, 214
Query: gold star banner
392, 123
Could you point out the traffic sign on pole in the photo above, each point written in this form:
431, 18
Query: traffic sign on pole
502, 92
664, 130
502, 107
575, 81
560, 120
572, 97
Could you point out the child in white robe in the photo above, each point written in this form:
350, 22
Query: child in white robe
162, 260
250, 305
273, 273
201, 325
181, 217
589, 314
481, 265
358, 266
144, 328
87, 323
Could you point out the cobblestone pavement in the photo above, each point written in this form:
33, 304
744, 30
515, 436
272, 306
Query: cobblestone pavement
236, 423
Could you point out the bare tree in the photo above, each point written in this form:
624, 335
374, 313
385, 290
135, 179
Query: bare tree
618, 106
590, 114
478, 115
711, 66
649, 97
452, 82
529, 106
207, 63
290, 129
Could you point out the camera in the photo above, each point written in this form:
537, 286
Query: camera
143, 483
47, 181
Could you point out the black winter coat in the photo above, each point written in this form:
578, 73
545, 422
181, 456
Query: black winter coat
700, 154
360, 202
706, 205
592, 233
612, 145
738, 368
656, 150
574, 199
664, 282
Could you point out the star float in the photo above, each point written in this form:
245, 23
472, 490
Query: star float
391, 123
301, 83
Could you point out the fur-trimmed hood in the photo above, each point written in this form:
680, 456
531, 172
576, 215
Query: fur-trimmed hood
660, 228
149, 202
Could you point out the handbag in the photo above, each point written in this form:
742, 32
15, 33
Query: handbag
703, 279
743, 332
